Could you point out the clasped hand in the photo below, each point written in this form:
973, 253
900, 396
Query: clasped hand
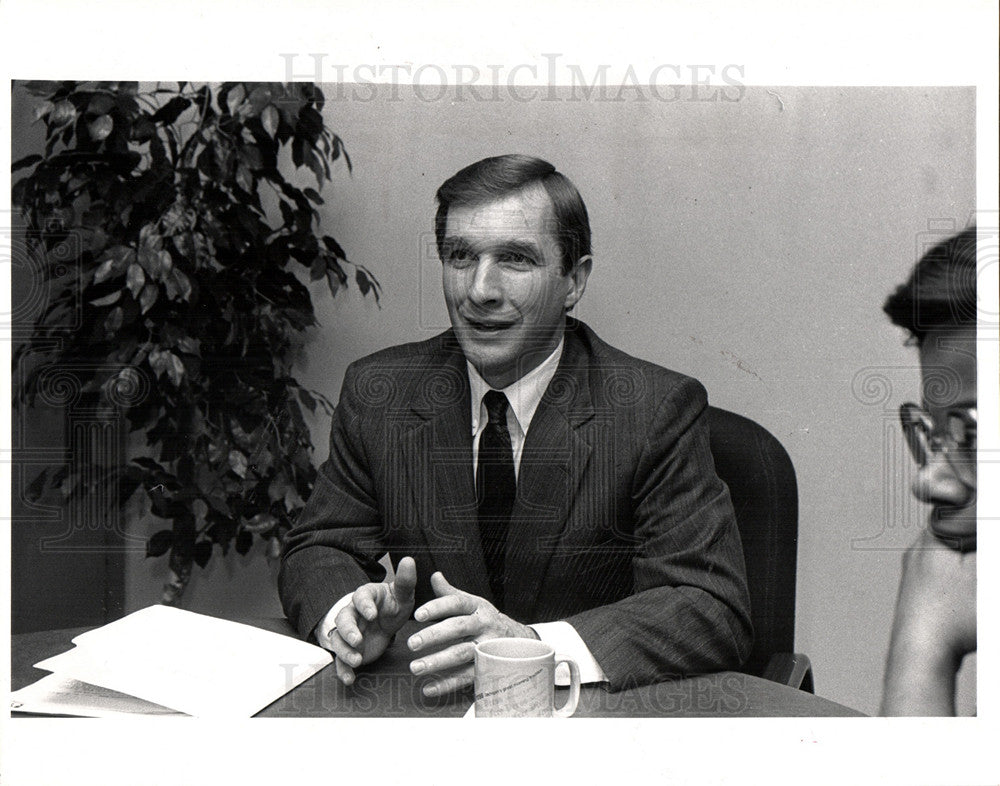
365, 628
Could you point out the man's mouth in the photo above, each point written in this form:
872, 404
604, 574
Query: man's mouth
488, 326
949, 515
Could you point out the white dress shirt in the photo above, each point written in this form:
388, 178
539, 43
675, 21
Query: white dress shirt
523, 396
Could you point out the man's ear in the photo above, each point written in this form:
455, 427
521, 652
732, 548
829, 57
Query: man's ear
578, 280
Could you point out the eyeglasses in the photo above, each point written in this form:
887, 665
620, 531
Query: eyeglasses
955, 438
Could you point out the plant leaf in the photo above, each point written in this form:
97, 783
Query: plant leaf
261, 523
269, 119
243, 178
191, 346
38, 87
362, 281
161, 361
160, 543
148, 297
307, 399
315, 163
119, 258
143, 129
107, 300
260, 97
177, 284
217, 500
170, 111
34, 489
293, 501
334, 246
333, 281
238, 463
234, 98
135, 280
62, 114
251, 157
175, 370
101, 128
149, 464
202, 552
244, 542
100, 104
27, 161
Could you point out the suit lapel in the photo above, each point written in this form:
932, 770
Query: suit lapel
437, 455
553, 462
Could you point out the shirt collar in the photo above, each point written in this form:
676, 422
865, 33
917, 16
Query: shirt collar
524, 395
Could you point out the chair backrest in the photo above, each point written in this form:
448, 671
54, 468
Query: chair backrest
762, 485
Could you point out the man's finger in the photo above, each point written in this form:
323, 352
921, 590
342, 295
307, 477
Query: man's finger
366, 600
448, 606
405, 583
342, 649
448, 631
348, 626
441, 586
460, 679
450, 658
344, 672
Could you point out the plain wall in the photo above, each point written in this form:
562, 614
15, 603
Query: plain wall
748, 243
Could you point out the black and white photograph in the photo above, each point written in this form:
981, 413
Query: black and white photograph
364, 387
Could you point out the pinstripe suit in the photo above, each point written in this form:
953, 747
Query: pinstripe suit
621, 526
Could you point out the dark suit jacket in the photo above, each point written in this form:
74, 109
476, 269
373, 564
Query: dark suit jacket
621, 526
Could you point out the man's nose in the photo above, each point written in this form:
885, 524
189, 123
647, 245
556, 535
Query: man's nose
486, 284
937, 483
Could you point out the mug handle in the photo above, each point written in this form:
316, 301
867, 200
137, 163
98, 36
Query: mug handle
574, 688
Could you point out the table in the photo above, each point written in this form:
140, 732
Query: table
386, 689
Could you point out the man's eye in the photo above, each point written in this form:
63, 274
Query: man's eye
514, 260
962, 432
458, 260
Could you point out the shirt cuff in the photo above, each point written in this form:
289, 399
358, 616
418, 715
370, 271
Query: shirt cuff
566, 641
328, 623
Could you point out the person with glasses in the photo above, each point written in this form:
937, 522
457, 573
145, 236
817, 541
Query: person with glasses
935, 620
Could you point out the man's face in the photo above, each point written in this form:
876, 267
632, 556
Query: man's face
948, 373
504, 284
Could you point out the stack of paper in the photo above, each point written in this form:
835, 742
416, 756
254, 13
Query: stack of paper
172, 660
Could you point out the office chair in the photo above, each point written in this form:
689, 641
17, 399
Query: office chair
762, 485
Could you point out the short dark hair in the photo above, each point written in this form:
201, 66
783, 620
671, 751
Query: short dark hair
941, 290
496, 177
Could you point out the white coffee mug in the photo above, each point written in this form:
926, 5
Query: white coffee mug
515, 678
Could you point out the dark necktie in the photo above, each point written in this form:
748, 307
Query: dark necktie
496, 487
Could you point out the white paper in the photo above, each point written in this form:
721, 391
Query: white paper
59, 695
190, 662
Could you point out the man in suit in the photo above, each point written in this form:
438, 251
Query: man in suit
935, 622
528, 479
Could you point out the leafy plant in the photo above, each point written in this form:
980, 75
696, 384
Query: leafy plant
180, 309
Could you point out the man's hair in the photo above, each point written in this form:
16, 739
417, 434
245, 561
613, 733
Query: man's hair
497, 177
941, 290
